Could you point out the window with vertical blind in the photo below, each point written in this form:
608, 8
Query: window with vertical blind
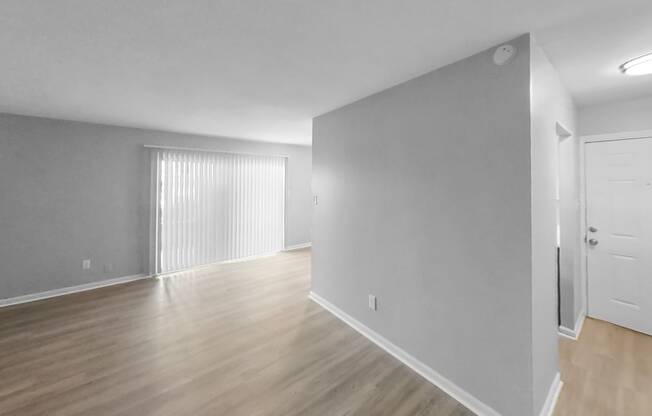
213, 207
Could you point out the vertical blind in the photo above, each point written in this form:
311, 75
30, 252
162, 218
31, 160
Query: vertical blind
217, 206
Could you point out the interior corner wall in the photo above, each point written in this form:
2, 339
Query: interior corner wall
551, 104
425, 201
70, 191
616, 117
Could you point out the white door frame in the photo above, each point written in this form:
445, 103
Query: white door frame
627, 135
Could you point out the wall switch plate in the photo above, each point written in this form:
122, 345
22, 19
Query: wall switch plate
372, 303
86, 264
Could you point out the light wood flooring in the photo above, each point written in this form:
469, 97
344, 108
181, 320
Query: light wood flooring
607, 372
234, 339
243, 339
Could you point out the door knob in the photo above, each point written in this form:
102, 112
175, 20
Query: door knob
593, 242
593, 229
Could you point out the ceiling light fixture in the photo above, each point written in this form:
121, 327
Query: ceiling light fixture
638, 66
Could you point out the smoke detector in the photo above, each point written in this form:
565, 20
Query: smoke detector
504, 54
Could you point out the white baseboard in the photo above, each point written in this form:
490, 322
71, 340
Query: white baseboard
574, 333
553, 395
68, 290
298, 246
453, 390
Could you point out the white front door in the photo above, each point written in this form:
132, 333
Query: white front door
619, 232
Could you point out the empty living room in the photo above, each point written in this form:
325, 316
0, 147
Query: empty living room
325, 208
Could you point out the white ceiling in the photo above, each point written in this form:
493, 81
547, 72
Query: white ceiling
588, 52
261, 69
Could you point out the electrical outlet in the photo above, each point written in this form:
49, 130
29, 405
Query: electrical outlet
372, 303
86, 264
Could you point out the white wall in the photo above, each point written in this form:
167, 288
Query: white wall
70, 191
551, 104
425, 201
616, 117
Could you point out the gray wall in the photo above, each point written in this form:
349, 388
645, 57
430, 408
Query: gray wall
425, 201
552, 156
616, 117
75, 190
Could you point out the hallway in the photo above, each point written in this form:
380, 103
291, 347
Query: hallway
607, 372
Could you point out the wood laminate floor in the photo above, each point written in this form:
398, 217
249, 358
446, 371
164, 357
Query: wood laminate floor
243, 339
234, 339
607, 372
